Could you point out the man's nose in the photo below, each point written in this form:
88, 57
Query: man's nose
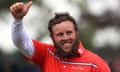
65, 37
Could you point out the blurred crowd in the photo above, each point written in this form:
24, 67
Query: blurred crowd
16, 63
115, 64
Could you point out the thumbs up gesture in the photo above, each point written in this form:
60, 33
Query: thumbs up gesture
19, 9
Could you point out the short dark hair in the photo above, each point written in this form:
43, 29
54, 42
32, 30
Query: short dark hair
60, 17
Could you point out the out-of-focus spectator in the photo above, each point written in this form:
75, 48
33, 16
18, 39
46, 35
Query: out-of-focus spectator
116, 64
28, 67
11, 64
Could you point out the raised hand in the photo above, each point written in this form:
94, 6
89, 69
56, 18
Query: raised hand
19, 9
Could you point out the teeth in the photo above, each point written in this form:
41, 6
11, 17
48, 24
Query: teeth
67, 44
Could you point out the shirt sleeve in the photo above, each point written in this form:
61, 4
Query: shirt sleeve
40, 52
21, 39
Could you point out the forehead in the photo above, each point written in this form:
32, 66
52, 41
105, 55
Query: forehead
63, 26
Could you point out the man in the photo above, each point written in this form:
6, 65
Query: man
66, 55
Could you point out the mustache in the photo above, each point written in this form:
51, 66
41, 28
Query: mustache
66, 41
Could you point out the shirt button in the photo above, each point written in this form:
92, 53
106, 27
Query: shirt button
64, 66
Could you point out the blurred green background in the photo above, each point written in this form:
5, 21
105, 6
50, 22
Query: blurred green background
98, 21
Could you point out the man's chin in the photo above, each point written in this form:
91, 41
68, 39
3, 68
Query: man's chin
67, 50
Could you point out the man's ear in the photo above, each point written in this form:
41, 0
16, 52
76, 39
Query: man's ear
77, 32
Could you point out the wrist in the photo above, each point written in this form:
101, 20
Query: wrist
18, 21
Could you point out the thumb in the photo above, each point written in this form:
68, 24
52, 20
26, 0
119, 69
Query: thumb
28, 5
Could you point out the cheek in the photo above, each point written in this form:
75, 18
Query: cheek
74, 36
55, 39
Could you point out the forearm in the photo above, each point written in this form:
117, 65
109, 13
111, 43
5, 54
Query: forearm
21, 39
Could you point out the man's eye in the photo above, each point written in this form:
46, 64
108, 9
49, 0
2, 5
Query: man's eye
59, 34
69, 32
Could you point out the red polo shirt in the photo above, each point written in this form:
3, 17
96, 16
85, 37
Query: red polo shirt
46, 59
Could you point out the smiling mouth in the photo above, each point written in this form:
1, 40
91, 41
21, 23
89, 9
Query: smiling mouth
67, 43
67, 46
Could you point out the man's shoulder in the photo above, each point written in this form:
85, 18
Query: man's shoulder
41, 43
96, 57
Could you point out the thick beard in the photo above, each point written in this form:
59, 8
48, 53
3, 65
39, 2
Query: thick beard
72, 53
